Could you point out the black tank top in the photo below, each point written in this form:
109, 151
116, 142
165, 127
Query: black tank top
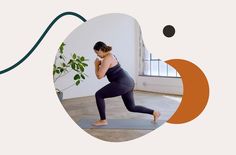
119, 75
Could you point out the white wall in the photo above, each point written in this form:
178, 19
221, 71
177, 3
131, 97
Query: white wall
117, 30
160, 84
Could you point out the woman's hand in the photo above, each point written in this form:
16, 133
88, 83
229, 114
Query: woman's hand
97, 62
104, 65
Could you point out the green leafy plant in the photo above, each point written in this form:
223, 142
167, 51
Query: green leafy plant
62, 66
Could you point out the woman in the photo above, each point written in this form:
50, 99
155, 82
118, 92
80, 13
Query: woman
121, 84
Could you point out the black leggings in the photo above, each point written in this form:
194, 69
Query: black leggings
114, 89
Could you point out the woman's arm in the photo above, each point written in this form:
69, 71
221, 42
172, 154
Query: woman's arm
97, 63
102, 69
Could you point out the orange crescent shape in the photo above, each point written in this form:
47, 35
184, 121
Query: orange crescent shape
195, 91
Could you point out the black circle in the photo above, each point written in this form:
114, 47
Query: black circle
169, 31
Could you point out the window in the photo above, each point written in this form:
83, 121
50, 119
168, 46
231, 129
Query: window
156, 67
150, 65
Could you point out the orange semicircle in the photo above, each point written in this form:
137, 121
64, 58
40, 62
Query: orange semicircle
195, 91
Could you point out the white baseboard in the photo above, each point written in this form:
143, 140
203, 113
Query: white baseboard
164, 85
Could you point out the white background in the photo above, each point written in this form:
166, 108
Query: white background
33, 120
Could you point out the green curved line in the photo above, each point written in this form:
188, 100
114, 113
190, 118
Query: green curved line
41, 38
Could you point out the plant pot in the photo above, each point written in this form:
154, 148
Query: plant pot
60, 95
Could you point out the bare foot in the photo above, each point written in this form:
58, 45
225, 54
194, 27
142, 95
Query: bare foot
156, 115
100, 122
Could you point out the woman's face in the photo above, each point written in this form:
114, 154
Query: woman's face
100, 53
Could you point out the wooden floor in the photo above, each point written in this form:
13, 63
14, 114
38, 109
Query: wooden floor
85, 107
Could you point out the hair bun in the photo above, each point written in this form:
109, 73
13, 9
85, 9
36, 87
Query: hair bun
108, 48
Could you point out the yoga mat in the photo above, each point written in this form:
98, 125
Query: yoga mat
130, 124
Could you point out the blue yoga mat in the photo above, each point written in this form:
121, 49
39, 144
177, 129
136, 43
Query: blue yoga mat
130, 124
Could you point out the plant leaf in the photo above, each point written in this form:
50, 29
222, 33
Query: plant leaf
61, 48
81, 68
63, 64
83, 77
76, 77
73, 65
74, 56
84, 64
82, 58
61, 70
77, 82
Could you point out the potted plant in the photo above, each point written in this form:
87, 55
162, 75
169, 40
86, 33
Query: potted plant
62, 66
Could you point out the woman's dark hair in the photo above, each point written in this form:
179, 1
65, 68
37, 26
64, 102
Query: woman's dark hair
101, 45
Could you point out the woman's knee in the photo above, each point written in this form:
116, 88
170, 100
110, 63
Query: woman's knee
131, 108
